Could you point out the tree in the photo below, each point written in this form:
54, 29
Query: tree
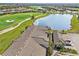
50, 43
32, 17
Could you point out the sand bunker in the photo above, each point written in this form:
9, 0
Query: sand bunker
9, 20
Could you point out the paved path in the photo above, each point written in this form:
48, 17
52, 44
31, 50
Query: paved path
11, 28
33, 42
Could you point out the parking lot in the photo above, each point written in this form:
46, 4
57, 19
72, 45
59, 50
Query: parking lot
74, 38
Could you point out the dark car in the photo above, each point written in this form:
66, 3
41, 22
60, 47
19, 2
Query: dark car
67, 41
68, 44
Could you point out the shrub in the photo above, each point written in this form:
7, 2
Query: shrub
68, 50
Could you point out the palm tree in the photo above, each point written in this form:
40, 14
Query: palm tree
33, 18
50, 42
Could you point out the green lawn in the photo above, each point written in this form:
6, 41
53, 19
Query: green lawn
16, 19
7, 39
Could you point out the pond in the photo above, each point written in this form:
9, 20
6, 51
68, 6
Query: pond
55, 21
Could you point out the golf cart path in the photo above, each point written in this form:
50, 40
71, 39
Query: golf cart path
11, 28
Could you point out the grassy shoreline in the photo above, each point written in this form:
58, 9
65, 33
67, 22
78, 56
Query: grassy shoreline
74, 26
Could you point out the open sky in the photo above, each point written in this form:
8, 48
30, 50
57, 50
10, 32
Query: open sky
39, 1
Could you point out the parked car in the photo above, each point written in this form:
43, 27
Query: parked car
67, 43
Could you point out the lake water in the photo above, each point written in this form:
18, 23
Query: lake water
55, 21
